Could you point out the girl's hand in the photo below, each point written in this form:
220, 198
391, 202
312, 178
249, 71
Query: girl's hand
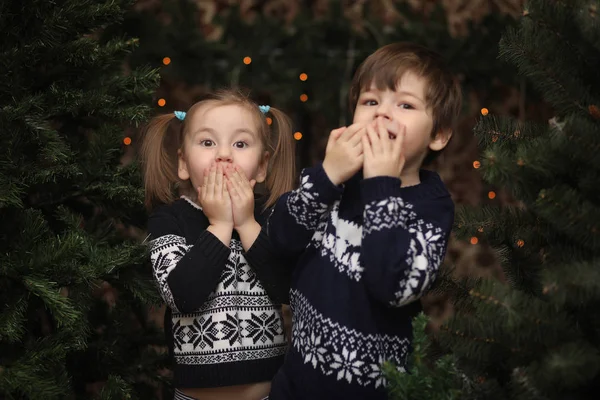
214, 198
241, 192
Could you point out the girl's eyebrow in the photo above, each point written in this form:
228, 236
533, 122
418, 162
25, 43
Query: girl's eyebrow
213, 132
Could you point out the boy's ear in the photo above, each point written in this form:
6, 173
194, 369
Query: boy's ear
182, 170
261, 174
440, 140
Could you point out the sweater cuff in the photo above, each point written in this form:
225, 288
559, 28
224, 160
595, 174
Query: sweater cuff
260, 251
328, 192
379, 188
212, 247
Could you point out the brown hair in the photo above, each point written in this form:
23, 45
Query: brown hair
385, 67
164, 137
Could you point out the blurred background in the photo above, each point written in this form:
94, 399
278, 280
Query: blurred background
300, 56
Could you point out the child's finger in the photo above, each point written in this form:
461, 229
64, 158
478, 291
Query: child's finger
233, 192
374, 140
252, 184
399, 142
356, 139
219, 180
210, 185
366, 145
384, 136
351, 131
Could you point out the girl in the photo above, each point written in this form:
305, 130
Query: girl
211, 256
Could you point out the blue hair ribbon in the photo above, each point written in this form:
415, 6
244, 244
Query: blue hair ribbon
180, 115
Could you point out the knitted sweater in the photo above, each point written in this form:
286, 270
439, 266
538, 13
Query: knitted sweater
369, 249
223, 322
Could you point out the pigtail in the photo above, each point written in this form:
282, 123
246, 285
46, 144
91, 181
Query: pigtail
158, 155
282, 165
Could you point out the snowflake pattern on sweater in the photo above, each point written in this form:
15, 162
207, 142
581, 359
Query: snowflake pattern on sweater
237, 322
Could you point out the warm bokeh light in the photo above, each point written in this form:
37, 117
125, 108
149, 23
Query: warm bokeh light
491, 195
476, 164
520, 242
484, 111
269, 120
303, 76
167, 60
298, 135
247, 60
127, 141
474, 240
162, 102
303, 97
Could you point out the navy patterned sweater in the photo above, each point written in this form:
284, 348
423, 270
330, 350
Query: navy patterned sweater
368, 251
223, 323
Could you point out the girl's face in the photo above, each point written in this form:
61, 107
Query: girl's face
225, 134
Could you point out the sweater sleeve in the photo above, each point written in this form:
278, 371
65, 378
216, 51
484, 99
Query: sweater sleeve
297, 213
186, 272
402, 247
272, 270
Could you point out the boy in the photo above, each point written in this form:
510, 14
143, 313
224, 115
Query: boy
371, 240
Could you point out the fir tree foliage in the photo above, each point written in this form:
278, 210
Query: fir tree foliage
537, 335
422, 381
66, 200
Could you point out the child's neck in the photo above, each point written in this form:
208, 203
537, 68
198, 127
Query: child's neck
410, 177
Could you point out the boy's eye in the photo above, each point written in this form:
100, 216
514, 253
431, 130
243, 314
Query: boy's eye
207, 143
240, 145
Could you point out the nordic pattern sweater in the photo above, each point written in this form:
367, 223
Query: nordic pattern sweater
369, 250
223, 322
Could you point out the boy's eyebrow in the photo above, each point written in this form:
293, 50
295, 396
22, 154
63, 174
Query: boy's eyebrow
411, 94
401, 92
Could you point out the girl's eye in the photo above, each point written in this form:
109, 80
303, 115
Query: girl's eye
240, 145
370, 102
406, 106
207, 143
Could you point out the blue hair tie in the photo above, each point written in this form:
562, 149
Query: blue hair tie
180, 115
264, 109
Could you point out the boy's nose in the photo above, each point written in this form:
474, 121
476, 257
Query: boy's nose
383, 111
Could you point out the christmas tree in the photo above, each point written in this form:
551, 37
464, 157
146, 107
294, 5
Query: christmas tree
74, 280
536, 334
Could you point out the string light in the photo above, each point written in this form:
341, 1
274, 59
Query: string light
162, 102
476, 164
303, 97
303, 77
484, 111
480, 229
269, 120
127, 141
247, 60
166, 60
520, 243
474, 240
491, 195
298, 135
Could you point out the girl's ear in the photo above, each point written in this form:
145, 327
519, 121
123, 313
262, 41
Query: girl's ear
261, 174
182, 169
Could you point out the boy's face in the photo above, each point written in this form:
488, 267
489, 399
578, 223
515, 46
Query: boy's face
404, 106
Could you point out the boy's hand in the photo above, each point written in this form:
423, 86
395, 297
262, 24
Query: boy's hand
214, 199
344, 153
383, 156
241, 192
